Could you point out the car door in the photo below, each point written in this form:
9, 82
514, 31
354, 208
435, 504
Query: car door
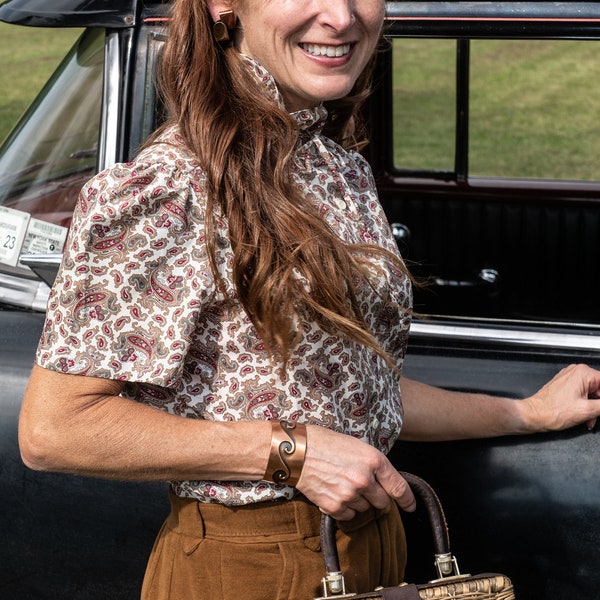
485, 144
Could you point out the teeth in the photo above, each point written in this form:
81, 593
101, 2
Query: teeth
330, 51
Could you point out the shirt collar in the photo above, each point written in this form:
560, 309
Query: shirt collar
310, 120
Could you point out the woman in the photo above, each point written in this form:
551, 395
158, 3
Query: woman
240, 277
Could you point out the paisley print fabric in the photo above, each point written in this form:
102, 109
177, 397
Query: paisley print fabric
136, 301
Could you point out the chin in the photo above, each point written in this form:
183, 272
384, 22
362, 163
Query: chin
334, 94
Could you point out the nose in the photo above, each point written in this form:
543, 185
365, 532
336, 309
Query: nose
338, 14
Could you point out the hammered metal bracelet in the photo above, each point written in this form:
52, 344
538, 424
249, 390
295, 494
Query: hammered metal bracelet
288, 449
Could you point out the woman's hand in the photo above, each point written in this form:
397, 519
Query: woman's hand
568, 399
343, 475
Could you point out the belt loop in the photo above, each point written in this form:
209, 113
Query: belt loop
307, 517
186, 516
201, 529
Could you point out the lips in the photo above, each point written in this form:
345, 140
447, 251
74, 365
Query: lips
325, 50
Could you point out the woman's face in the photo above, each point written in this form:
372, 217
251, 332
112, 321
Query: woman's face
315, 49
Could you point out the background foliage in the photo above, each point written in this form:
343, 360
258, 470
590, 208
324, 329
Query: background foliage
28, 56
535, 105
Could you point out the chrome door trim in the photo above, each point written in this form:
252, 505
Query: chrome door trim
21, 292
421, 329
111, 103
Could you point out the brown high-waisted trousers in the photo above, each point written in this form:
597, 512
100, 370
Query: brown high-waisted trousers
267, 551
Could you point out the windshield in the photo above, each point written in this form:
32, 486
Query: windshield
48, 157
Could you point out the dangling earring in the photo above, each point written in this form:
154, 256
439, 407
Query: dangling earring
223, 28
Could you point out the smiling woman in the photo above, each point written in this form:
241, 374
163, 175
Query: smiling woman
267, 262
28, 57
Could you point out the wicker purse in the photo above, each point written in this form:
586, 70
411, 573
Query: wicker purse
449, 584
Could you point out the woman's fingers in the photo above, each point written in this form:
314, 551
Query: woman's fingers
568, 399
396, 487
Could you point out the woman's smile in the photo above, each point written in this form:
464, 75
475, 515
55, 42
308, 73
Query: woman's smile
326, 50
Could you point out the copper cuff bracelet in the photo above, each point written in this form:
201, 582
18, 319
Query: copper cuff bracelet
288, 449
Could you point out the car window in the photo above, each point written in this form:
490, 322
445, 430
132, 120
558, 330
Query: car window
424, 88
44, 162
51, 153
146, 107
533, 107
493, 184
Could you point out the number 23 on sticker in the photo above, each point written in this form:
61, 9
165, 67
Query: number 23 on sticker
13, 227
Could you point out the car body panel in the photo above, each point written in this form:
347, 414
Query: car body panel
64, 536
519, 505
70, 13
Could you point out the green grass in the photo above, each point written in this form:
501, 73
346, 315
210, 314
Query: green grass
28, 55
534, 107
424, 101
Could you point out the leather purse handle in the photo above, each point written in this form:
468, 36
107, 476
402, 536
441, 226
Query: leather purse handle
437, 519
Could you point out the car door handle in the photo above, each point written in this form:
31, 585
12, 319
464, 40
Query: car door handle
485, 278
400, 232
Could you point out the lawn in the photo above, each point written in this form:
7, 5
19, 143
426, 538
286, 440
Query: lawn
28, 56
534, 107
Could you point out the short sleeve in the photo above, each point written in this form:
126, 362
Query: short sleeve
135, 274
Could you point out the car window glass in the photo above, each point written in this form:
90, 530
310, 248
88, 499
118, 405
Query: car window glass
534, 109
147, 106
424, 103
496, 209
52, 152
29, 56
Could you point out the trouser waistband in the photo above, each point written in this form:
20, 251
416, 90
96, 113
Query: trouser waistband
284, 519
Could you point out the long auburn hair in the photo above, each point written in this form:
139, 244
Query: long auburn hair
287, 261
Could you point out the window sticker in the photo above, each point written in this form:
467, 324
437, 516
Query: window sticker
13, 229
44, 238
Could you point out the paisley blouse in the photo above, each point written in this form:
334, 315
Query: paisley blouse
135, 300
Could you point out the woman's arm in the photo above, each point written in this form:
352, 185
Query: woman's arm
434, 414
80, 425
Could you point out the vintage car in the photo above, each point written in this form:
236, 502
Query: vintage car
506, 248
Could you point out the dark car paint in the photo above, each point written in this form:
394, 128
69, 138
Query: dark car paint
70, 13
527, 507
64, 536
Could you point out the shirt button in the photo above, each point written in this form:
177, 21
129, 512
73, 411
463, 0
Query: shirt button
341, 204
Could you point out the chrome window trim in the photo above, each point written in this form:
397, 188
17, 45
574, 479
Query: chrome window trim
421, 329
495, 11
25, 293
111, 103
